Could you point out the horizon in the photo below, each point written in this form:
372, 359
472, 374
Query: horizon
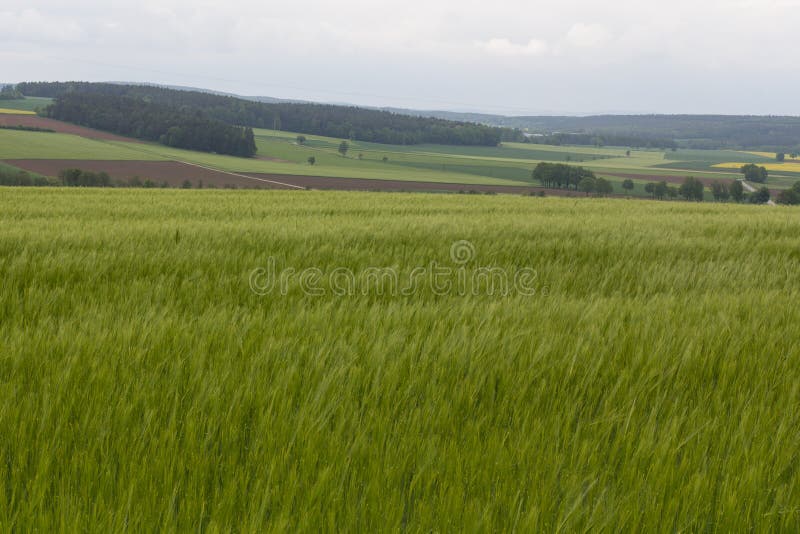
392, 108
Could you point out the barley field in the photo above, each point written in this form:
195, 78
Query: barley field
646, 379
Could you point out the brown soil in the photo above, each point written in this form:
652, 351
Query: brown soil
34, 121
362, 184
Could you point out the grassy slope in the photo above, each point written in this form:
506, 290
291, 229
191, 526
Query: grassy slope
144, 386
27, 104
40, 145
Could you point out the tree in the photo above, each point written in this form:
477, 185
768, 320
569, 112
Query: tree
385, 159
301, 139
661, 190
692, 189
344, 146
720, 191
628, 153
312, 160
587, 185
736, 190
603, 187
780, 156
754, 173
627, 185
761, 196
650, 188
186, 184
672, 192
9, 92
789, 197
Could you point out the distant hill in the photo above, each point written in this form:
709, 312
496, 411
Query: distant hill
265, 99
689, 131
771, 133
343, 122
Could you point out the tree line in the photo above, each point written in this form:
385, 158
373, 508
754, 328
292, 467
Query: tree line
603, 139
767, 133
559, 175
344, 122
75, 177
9, 92
693, 189
136, 117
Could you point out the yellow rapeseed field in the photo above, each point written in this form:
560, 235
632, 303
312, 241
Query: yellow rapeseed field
771, 155
789, 166
15, 112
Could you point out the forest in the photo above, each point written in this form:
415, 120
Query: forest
738, 132
343, 122
769, 133
633, 141
135, 117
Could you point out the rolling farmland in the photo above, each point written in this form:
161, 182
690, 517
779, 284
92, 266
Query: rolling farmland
280, 154
646, 382
482, 267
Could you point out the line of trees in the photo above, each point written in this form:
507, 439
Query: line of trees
318, 119
660, 190
693, 189
75, 177
14, 177
604, 139
135, 117
789, 196
560, 175
9, 92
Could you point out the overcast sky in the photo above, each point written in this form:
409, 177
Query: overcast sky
505, 56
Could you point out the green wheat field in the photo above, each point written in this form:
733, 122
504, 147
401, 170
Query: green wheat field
650, 383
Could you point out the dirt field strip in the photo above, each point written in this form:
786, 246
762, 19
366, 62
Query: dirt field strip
34, 121
241, 175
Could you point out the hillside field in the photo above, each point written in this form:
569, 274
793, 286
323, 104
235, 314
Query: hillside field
280, 154
29, 104
646, 379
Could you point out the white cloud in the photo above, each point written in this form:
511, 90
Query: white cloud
504, 47
29, 25
588, 35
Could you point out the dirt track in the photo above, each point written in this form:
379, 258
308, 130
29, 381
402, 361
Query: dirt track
34, 121
174, 173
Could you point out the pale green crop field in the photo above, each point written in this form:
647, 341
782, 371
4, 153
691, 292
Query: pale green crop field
649, 383
30, 103
16, 144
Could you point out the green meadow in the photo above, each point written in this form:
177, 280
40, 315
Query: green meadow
30, 103
648, 382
